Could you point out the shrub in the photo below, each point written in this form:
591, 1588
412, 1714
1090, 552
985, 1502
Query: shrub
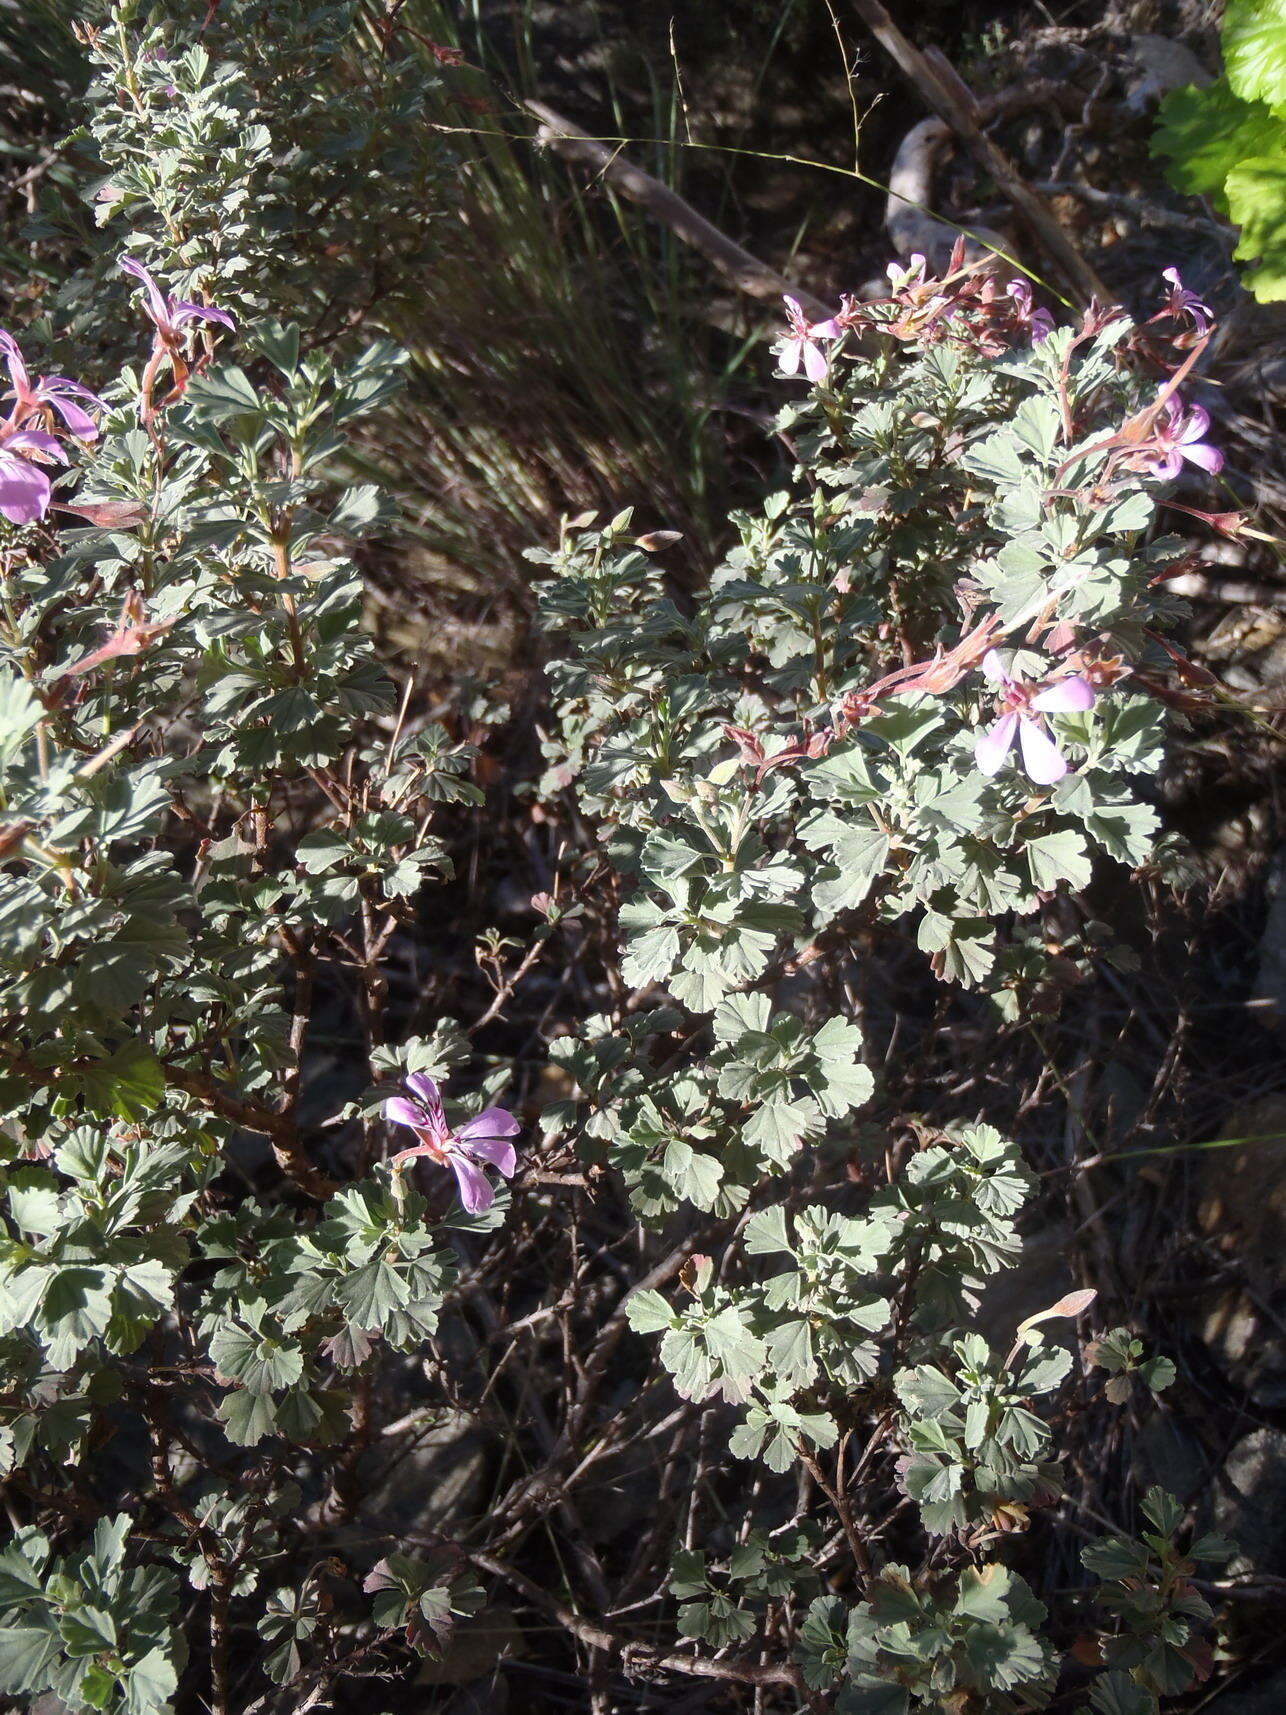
208, 804
975, 498
917, 705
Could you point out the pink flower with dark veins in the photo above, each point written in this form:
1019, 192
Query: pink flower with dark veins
1179, 437
1024, 705
1180, 302
1039, 323
172, 314
482, 1139
46, 393
800, 344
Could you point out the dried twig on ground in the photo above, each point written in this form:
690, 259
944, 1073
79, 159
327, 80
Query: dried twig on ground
950, 99
746, 272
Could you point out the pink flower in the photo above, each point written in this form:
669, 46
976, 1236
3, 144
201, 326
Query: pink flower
907, 279
25, 490
171, 314
1039, 323
485, 1138
54, 392
1181, 302
1042, 759
1178, 436
800, 344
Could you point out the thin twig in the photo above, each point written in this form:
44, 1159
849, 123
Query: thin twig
944, 95
745, 271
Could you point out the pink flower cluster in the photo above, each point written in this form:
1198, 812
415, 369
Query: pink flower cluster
27, 439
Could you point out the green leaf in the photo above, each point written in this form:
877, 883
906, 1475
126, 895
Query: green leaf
1256, 192
1115, 1693
220, 394
256, 1360
1253, 43
247, 1417
371, 1294
27, 1653
648, 1313
856, 849
997, 457
868, 1696
693, 1176
1206, 133
1056, 858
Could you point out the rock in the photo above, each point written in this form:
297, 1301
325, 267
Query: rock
913, 229
1242, 1211
1251, 1697
1250, 1502
1041, 1276
620, 1495
1160, 66
436, 1482
1167, 1453
477, 1646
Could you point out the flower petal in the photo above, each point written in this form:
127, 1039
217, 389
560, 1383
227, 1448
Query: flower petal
816, 368
1167, 465
399, 1111
14, 363
1068, 696
1042, 758
491, 1122
993, 666
789, 354
826, 330
1196, 425
498, 1152
159, 304
36, 441
186, 311
993, 746
1208, 457
81, 424
475, 1188
24, 490
426, 1092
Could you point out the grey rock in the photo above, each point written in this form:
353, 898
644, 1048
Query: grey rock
477, 1647
619, 1496
1168, 1454
1160, 66
489, 1696
1250, 1502
1242, 1213
908, 221
437, 1479
1040, 1277
1270, 981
